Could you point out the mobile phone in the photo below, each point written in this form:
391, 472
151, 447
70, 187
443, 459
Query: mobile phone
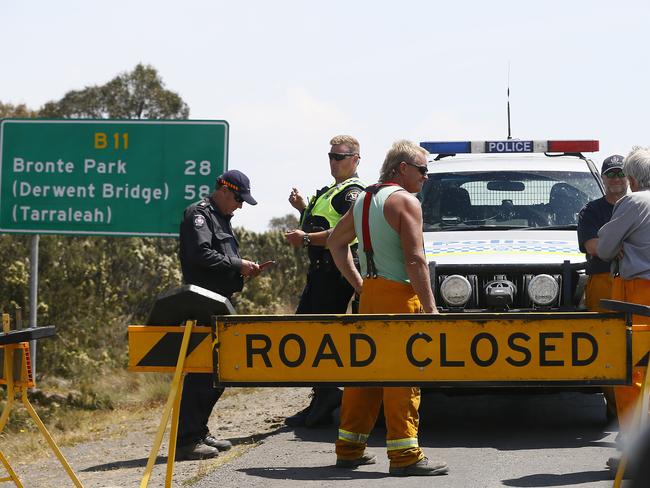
265, 265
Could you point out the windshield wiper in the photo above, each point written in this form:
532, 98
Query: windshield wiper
475, 227
554, 227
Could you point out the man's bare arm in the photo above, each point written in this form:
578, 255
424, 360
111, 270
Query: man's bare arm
339, 245
404, 214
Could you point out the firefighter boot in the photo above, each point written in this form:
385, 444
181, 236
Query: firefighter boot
424, 467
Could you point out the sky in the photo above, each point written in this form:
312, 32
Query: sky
289, 75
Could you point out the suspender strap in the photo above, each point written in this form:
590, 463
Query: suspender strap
365, 231
365, 227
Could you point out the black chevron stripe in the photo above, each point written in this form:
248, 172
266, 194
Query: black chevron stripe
165, 351
643, 361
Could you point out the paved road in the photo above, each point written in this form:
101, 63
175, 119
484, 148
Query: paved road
513, 440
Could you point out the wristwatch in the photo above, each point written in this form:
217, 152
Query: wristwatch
306, 241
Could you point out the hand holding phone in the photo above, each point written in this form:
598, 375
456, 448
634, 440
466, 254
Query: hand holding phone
266, 264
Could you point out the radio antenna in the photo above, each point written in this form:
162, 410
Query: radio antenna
508, 98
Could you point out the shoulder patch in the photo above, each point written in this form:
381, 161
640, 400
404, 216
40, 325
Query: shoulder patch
352, 195
199, 221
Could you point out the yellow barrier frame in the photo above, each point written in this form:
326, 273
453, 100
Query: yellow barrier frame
21, 387
171, 407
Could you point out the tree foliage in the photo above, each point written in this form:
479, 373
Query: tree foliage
284, 223
92, 288
17, 111
139, 94
276, 290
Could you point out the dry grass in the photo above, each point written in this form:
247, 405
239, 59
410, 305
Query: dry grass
131, 398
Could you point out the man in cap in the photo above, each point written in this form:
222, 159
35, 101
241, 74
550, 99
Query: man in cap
591, 218
209, 255
326, 291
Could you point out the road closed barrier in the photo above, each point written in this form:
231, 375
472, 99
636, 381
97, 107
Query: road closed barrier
445, 349
463, 350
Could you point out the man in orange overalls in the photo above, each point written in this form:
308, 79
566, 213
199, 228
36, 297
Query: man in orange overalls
387, 220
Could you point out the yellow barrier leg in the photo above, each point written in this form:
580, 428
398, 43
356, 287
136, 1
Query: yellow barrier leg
173, 435
645, 401
639, 419
171, 400
9, 371
50, 441
12, 475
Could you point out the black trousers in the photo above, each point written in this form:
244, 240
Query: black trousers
198, 399
326, 291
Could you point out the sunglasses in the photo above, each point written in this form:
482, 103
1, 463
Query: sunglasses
422, 169
615, 173
238, 197
340, 156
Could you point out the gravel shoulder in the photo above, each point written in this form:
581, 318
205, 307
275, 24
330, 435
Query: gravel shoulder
118, 457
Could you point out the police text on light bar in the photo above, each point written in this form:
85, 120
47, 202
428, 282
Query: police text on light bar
510, 146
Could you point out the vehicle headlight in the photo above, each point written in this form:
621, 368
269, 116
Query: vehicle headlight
543, 289
456, 290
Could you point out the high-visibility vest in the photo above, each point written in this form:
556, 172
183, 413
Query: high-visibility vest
321, 206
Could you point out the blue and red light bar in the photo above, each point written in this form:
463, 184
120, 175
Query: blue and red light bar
511, 146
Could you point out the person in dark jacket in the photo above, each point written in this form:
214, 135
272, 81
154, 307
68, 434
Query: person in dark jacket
209, 255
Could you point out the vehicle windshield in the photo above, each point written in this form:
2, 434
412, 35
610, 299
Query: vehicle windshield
506, 199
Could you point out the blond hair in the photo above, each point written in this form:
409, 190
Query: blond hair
401, 151
349, 141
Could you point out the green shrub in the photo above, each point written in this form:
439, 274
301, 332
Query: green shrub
92, 288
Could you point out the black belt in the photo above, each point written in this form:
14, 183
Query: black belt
325, 263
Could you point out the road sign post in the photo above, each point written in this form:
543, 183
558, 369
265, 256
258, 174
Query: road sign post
106, 177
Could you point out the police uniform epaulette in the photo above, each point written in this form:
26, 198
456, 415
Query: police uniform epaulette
203, 204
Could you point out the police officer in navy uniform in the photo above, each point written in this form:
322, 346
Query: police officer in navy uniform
209, 255
326, 291
591, 218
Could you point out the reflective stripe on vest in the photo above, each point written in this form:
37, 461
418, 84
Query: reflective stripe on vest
322, 207
348, 436
395, 444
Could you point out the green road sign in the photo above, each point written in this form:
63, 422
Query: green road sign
106, 177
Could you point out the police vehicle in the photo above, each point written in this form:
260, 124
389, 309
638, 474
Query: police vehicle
500, 222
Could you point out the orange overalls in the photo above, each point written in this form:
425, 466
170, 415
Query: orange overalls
360, 406
599, 286
633, 291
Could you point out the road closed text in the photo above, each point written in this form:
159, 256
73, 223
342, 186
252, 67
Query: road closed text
437, 351
483, 350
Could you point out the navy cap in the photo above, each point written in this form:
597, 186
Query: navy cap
239, 183
613, 162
